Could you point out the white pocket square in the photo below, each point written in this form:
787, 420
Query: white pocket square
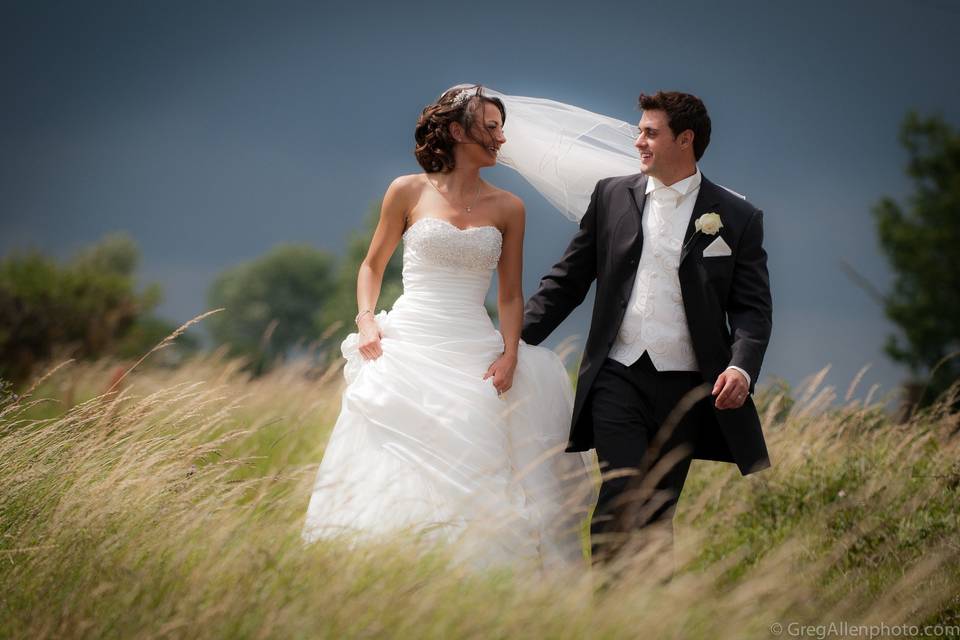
716, 249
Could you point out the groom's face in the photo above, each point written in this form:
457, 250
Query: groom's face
660, 151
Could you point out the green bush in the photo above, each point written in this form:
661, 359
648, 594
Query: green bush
87, 307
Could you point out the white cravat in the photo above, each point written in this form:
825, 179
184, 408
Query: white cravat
656, 321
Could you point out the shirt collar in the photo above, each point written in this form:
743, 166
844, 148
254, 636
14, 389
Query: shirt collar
683, 187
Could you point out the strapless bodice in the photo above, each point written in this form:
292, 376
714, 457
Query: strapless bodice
444, 264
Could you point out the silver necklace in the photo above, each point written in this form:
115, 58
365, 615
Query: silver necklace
468, 208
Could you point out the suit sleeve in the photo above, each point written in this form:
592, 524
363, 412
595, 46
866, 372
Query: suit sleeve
749, 306
567, 283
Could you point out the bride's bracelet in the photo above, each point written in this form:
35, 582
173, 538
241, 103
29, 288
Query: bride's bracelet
360, 315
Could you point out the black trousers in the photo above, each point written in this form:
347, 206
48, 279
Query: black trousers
644, 457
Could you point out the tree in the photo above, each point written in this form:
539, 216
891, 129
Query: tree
922, 242
272, 304
85, 308
117, 253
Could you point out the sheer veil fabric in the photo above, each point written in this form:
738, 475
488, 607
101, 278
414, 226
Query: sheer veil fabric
563, 150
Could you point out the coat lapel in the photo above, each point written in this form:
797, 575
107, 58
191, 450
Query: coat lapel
639, 193
707, 200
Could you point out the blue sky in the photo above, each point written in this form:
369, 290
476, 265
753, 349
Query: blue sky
213, 131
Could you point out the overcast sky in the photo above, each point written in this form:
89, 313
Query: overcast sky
213, 131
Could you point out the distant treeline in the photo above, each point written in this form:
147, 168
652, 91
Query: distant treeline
88, 307
295, 298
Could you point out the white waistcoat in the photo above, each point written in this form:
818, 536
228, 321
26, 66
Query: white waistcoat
655, 320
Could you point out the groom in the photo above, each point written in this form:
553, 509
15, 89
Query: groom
682, 313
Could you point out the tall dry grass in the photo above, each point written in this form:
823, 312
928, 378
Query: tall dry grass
171, 507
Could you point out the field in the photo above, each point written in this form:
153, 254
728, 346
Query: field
171, 507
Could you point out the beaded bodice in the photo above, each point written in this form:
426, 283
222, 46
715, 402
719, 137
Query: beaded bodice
446, 267
436, 242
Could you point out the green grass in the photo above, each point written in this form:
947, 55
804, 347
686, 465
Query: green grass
172, 507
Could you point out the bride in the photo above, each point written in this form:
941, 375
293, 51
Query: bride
450, 430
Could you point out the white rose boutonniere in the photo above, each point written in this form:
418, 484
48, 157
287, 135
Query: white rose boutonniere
709, 223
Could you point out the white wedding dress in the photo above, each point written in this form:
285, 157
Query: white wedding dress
424, 448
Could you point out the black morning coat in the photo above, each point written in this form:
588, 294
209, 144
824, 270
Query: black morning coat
726, 299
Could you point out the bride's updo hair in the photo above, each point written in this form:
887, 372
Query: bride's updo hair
462, 104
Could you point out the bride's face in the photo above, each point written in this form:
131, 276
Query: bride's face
485, 139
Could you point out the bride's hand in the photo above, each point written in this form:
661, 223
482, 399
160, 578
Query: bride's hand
369, 341
502, 371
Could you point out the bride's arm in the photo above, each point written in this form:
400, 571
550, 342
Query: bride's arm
510, 295
396, 203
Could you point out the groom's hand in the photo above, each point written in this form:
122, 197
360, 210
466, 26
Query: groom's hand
730, 390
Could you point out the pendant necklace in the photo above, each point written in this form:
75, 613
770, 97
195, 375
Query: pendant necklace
468, 208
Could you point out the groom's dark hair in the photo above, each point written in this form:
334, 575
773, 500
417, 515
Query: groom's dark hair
684, 111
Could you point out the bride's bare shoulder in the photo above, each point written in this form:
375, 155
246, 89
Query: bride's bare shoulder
507, 201
409, 183
404, 192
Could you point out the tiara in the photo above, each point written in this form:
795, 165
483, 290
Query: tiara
463, 96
